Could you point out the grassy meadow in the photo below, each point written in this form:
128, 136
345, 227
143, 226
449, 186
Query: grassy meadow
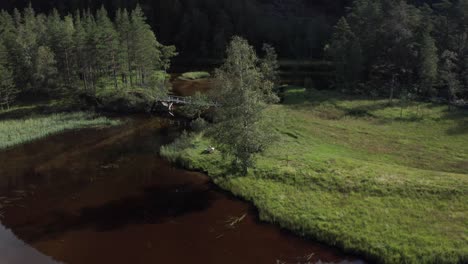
21, 130
190, 76
386, 181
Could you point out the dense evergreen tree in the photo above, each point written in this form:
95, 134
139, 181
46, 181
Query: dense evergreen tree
25, 48
269, 65
124, 30
145, 54
107, 45
386, 47
45, 71
7, 89
298, 29
59, 37
448, 75
54, 54
80, 51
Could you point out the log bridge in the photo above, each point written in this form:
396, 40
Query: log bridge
172, 100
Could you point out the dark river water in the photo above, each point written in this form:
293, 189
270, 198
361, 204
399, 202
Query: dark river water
105, 196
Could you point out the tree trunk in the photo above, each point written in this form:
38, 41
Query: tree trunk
85, 84
68, 69
116, 85
392, 89
128, 61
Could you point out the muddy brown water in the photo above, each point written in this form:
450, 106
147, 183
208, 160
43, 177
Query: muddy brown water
188, 88
105, 196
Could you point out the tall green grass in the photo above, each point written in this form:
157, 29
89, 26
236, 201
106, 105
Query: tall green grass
18, 131
386, 181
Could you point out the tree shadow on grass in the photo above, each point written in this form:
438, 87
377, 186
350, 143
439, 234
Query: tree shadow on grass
25, 111
226, 168
330, 101
327, 104
460, 117
296, 96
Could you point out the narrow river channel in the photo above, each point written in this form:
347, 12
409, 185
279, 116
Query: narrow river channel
105, 196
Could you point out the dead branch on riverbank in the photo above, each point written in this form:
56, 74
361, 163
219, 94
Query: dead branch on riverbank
233, 221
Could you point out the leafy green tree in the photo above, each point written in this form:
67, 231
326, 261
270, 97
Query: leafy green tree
156, 86
167, 53
199, 104
401, 23
428, 64
398, 48
243, 93
269, 64
367, 20
450, 31
8, 90
465, 74
463, 37
448, 74
345, 51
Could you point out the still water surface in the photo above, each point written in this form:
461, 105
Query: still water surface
105, 196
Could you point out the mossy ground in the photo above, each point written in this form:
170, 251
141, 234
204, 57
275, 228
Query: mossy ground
386, 181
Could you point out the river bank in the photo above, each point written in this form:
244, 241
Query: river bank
363, 176
387, 182
105, 196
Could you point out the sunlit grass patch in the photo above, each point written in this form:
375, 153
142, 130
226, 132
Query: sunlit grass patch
195, 75
26, 129
385, 180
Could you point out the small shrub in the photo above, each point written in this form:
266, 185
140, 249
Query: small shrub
173, 152
170, 152
309, 83
183, 142
199, 124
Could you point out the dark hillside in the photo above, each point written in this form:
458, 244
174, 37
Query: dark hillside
201, 28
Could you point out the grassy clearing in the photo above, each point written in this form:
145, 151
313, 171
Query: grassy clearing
17, 131
388, 182
190, 76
